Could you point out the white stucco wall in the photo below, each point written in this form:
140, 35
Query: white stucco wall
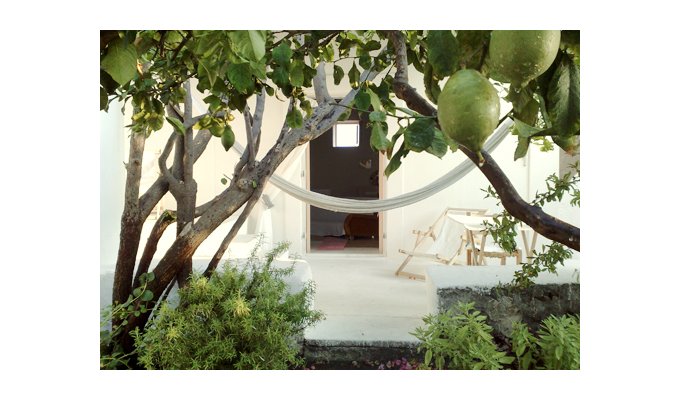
111, 182
288, 215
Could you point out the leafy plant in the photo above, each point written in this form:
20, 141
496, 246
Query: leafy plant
242, 318
556, 347
560, 343
503, 230
524, 346
111, 353
459, 339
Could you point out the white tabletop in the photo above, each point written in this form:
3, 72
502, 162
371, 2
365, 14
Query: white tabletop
471, 222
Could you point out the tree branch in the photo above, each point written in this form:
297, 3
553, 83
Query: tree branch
401, 85
548, 226
233, 232
130, 223
319, 83
166, 219
248, 120
545, 224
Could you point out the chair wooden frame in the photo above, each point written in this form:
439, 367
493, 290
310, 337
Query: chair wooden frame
432, 233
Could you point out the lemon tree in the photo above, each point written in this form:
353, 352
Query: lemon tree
157, 72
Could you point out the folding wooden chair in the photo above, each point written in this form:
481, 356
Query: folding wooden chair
446, 236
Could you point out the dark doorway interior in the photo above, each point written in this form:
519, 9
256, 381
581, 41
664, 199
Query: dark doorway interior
348, 172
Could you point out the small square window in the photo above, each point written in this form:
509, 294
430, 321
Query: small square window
346, 134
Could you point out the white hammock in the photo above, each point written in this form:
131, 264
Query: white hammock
369, 206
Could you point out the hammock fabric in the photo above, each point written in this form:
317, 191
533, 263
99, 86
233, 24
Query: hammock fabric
369, 206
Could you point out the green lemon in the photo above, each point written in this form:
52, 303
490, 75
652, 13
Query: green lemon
468, 109
228, 138
520, 56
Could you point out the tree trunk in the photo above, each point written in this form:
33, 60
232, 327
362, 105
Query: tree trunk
246, 185
130, 223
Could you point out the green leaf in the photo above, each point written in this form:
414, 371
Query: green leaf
282, 54
379, 141
523, 130
259, 70
147, 295
306, 106
354, 76
120, 61
377, 116
177, 124
338, 74
365, 61
375, 100
214, 102
522, 147
328, 53
297, 73
137, 292
345, 115
249, 45
372, 45
362, 100
471, 44
439, 146
419, 134
529, 112
294, 118
395, 162
103, 98
205, 70
280, 77
228, 138
563, 101
432, 89
240, 76
442, 52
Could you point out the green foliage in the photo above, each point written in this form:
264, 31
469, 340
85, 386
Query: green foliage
419, 134
564, 98
560, 343
113, 320
556, 347
459, 339
442, 53
241, 318
524, 346
120, 61
546, 260
550, 104
504, 227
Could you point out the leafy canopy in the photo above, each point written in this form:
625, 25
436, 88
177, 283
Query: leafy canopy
149, 68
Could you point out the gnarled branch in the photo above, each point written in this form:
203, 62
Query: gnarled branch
547, 225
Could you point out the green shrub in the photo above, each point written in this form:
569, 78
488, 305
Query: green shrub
524, 345
111, 354
556, 347
459, 339
241, 318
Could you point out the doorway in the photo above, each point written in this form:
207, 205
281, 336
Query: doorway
341, 163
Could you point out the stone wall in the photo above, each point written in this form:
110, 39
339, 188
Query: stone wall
552, 294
